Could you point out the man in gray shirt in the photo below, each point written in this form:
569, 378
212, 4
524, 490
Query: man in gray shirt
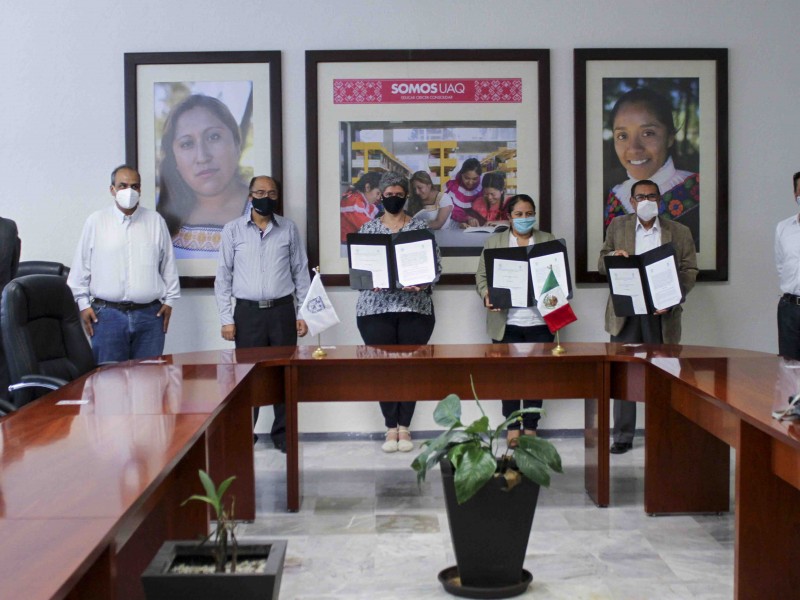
263, 265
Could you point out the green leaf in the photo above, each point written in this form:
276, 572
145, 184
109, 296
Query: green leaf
479, 426
432, 453
542, 450
223, 487
209, 487
448, 411
475, 467
201, 498
532, 468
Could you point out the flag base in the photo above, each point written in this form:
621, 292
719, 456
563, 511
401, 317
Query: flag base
319, 353
558, 350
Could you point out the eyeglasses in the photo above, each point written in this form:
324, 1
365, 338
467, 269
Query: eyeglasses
133, 186
643, 197
272, 194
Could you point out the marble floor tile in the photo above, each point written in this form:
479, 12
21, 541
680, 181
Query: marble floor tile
367, 530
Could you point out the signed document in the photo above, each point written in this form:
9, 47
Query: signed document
513, 276
373, 259
540, 269
628, 282
644, 283
416, 263
665, 287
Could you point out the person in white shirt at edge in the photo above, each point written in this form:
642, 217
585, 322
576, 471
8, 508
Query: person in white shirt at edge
263, 265
124, 277
787, 261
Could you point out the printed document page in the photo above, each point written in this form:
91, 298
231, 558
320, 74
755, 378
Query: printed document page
512, 275
371, 258
415, 262
628, 282
665, 288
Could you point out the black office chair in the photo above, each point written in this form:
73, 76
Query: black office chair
42, 267
43, 336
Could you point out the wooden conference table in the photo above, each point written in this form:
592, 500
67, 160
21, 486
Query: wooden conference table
92, 476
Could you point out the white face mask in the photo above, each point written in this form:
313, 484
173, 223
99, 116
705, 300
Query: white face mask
127, 198
646, 210
798, 199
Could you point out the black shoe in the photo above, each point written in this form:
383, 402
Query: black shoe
620, 447
280, 445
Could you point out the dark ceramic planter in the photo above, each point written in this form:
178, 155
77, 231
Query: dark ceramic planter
160, 584
490, 534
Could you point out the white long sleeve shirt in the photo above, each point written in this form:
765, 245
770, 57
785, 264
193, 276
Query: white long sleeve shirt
787, 255
124, 258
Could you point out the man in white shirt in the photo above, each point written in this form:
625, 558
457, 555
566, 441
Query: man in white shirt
787, 261
124, 277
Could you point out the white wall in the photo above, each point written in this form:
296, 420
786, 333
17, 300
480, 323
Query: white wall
62, 130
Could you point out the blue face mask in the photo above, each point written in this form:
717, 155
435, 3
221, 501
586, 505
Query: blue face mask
524, 225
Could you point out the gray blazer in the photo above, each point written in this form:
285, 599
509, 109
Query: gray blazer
621, 235
496, 321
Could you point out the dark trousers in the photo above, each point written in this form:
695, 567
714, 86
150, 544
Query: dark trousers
396, 328
276, 326
641, 329
515, 334
788, 329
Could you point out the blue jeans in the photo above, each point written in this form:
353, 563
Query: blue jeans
124, 335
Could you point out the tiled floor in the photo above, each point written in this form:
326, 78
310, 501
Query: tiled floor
366, 531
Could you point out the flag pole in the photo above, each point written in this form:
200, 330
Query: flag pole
559, 349
319, 353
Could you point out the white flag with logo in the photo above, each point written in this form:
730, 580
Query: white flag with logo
317, 310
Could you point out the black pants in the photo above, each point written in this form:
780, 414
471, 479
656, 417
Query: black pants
641, 329
275, 326
788, 329
396, 328
515, 334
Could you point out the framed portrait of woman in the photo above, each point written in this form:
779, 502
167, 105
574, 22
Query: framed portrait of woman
660, 115
198, 127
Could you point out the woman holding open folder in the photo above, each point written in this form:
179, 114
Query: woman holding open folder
399, 315
510, 325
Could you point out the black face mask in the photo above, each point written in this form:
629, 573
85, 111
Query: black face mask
393, 204
264, 206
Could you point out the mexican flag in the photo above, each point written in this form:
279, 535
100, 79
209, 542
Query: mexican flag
553, 305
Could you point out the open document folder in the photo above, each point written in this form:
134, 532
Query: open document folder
516, 275
644, 283
387, 261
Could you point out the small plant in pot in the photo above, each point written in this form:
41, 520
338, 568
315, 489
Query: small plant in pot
220, 570
491, 498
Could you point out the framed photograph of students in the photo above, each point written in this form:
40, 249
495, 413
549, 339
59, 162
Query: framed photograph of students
468, 128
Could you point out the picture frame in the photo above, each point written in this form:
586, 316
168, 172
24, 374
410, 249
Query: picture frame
693, 83
235, 97
429, 108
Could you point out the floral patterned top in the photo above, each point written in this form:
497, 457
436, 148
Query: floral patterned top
680, 198
396, 300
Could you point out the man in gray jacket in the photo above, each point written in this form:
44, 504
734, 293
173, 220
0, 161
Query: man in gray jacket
636, 234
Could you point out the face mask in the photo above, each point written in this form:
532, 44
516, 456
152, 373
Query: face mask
127, 198
263, 206
798, 199
524, 225
647, 210
393, 204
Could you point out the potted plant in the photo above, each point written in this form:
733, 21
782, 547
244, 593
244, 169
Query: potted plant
490, 498
222, 570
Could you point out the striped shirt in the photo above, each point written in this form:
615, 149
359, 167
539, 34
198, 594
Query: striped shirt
256, 266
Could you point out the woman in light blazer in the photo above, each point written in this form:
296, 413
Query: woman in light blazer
515, 324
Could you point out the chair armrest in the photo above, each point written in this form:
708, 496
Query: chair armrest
42, 381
